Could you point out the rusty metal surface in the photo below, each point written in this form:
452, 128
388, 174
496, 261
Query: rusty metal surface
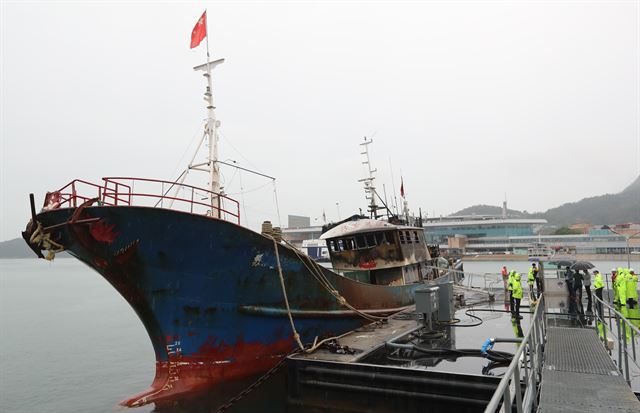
188, 276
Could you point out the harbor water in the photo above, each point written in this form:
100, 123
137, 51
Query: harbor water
70, 343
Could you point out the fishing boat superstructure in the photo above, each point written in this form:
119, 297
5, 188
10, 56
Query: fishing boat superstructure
379, 253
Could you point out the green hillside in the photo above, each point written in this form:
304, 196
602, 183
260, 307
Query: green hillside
606, 209
17, 248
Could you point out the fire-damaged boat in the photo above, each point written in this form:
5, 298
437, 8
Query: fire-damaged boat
221, 302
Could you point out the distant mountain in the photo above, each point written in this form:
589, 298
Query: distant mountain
17, 248
606, 209
488, 210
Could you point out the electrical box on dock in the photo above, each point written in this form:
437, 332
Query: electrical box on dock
446, 306
427, 300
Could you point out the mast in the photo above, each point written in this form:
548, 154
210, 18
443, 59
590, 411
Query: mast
211, 134
369, 189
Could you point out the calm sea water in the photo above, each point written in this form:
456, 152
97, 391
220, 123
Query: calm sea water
70, 343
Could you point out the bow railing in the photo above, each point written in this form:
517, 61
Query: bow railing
128, 191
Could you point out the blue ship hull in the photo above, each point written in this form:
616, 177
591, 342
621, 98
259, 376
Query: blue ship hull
209, 293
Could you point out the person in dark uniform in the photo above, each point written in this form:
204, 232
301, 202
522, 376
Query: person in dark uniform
586, 281
569, 281
577, 286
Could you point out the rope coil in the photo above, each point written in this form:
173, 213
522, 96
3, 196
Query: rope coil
44, 241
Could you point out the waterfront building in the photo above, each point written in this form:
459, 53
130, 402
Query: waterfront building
578, 244
299, 229
473, 227
498, 234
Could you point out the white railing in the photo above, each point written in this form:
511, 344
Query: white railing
626, 334
527, 365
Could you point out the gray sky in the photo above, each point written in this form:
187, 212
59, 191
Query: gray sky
468, 100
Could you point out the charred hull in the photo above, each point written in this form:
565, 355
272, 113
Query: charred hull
208, 291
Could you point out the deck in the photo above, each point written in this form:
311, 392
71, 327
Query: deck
579, 375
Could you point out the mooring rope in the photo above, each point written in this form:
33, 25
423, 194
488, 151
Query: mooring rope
317, 272
327, 285
44, 241
296, 336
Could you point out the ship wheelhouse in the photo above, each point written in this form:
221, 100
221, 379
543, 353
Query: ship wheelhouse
377, 252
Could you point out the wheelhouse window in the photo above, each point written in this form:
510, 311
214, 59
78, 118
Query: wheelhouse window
349, 244
371, 240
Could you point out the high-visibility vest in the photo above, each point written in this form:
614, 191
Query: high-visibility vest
516, 287
510, 281
531, 278
597, 281
631, 287
621, 287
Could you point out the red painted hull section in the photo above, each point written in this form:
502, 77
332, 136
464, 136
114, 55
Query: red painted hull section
193, 374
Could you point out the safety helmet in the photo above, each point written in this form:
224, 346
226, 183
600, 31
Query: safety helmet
614, 270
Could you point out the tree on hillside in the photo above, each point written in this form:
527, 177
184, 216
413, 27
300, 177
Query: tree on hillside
567, 231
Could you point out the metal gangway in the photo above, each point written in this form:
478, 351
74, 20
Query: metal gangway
559, 369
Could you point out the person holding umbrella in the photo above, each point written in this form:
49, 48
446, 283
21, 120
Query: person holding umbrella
569, 281
577, 290
586, 281
583, 279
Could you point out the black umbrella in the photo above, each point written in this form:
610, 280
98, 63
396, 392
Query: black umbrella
582, 265
562, 262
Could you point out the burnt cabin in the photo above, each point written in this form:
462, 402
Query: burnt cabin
378, 252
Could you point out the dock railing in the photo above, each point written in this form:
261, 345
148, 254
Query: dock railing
625, 333
468, 279
526, 365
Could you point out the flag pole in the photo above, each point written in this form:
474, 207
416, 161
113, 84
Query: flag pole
212, 131
206, 28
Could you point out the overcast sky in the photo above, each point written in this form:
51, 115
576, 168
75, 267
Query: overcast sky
466, 100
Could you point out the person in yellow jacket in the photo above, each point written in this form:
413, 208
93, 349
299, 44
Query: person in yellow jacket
621, 281
632, 298
531, 278
620, 295
614, 277
516, 292
598, 285
510, 291
631, 288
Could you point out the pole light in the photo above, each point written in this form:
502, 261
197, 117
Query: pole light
626, 238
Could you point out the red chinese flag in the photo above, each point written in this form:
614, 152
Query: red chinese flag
401, 187
199, 31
